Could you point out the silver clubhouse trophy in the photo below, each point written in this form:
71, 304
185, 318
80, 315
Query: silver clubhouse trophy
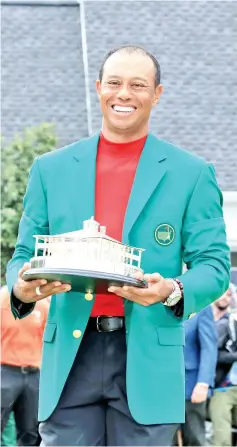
87, 259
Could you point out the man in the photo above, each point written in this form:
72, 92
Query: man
223, 404
150, 194
200, 355
21, 346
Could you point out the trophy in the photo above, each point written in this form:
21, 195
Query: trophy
88, 259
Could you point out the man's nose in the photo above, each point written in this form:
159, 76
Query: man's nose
124, 93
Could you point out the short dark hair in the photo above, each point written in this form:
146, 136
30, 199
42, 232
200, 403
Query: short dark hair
133, 49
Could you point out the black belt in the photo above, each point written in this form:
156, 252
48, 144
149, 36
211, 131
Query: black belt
23, 369
105, 324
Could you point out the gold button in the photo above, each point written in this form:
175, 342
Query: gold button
77, 333
191, 315
88, 296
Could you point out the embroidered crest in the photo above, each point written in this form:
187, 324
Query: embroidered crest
164, 234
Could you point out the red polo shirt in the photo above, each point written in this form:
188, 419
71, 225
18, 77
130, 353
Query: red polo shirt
21, 340
115, 170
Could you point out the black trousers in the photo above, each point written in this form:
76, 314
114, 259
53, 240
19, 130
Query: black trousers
93, 408
19, 393
194, 428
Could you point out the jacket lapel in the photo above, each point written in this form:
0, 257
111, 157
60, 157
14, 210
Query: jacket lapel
82, 178
151, 169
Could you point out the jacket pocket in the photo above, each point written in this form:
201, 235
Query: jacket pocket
171, 336
49, 332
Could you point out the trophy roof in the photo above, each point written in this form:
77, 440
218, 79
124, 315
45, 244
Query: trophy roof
78, 234
91, 230
81, 235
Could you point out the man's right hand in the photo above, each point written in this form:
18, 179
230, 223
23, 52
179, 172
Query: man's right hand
25, 291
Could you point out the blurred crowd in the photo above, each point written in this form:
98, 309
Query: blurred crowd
21, 347
210, 373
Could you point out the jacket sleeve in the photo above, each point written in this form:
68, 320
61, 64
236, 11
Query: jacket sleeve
34, 221
208, 347
205, 249
224, 356
223, 333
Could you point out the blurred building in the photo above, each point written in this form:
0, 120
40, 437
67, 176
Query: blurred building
51, 55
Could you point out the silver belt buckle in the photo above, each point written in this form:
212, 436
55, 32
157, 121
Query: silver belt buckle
106, 330
98, 324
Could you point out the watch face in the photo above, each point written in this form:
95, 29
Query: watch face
171, 301
175, 296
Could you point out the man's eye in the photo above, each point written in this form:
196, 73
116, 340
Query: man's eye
113, 82
137, 85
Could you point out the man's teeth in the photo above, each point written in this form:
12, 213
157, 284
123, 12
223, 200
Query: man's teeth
123, 109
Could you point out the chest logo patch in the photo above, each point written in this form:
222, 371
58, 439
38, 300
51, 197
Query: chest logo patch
164, 234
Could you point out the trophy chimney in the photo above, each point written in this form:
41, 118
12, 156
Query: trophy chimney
91, 226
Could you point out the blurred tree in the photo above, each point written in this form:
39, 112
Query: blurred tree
17, 158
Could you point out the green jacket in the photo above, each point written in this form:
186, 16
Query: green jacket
174, 213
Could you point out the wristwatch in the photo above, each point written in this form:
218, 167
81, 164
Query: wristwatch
176, 295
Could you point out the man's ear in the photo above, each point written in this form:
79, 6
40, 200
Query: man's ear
98, 87
158, 92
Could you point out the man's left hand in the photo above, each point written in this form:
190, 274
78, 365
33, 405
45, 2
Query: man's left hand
199, 393
158, 289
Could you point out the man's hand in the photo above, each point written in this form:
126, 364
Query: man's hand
157, 291
199, 393
25, 291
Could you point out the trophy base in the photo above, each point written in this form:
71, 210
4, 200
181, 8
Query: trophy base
85, 281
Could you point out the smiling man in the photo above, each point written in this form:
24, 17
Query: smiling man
137, 79
113, 366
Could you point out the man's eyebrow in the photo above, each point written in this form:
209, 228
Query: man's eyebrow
113, 76
136, 78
